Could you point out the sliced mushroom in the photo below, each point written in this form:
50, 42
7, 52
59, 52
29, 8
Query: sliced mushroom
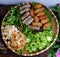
29, 21
24, 6
34, 27
26, 19
25, 15
24, 10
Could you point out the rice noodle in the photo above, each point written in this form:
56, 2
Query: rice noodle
16, 40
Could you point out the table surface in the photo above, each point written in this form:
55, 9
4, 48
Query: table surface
4, 52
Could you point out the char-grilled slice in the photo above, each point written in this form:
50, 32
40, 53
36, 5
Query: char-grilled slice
34, 27
29, 21
24, 10
25, 15
24, 6
28, 17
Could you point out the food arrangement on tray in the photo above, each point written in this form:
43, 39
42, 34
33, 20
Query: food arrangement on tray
27, 28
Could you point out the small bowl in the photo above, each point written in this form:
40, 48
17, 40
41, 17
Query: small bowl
55, 30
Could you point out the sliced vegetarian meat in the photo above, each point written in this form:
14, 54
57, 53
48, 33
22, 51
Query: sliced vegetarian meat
37, 6
38, 10
34, 27
37, 24
25, 15
29, 21
44, 21
40, 13
28, 17
46, 25
24, 6
31, 12
42, 17
36, 19
24, 10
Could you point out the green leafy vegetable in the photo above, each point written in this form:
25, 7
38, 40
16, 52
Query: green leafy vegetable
34, 3
19, 51
50, 18
13, 17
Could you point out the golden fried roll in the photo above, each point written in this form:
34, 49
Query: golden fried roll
42, 17
46, 25
36, 19
40, 13
37, 24
31, 12
38, 10
37, 6
44, 21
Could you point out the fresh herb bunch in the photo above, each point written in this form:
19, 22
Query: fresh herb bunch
13, 17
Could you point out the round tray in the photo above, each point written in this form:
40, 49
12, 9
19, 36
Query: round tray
55, 30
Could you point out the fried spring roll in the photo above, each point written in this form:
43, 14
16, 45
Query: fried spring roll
42, 17
37, 24
44, 21
25, 15
34, 27
38, 10
31, 12
37, 6
29, 21
24, 6
36, 19
40, 13
26, 19
25, 10
46, 25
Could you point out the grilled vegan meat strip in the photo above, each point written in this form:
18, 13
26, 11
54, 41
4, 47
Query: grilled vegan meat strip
44, 21
31, 12
38, 10
36, 19
37, 24
24, 10
34, 27
37, 6
40, 13
29, 21
24, 6
46, 25
25, 15
28, 17
42, 17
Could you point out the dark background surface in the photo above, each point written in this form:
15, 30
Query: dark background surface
4, 52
